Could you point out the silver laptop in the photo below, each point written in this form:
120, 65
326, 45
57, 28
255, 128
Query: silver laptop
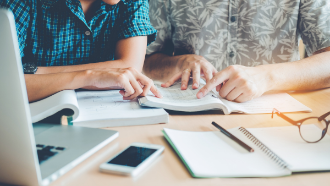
34, 154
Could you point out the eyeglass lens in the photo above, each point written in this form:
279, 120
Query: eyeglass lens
312, 135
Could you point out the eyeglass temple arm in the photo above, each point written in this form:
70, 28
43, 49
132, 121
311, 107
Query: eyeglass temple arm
324, 116
284, 117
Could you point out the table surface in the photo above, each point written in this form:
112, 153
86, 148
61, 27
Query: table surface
168, 168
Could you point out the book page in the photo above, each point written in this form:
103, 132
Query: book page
266, 103
182, 100
98, 105
185, 100
300, 155
175, 95
65, 99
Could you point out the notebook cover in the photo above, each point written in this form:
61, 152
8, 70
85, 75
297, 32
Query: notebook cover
178, 153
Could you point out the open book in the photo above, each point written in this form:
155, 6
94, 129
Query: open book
278, 151
185, 100
98, 109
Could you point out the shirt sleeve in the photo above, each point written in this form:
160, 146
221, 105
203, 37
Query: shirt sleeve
160, 20
21, 11
135, 20
314, 25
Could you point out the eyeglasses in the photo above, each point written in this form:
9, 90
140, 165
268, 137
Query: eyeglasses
304, 125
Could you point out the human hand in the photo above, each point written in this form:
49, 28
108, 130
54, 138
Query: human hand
133, 82
192, 65
237, 83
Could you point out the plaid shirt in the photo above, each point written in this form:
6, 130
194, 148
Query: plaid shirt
55, 32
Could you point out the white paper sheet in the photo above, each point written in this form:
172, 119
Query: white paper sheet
175, 95
185, 100
267, 102
212, 154
54, 103
300, 155
109, 105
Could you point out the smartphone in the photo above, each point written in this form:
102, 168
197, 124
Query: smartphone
132, 160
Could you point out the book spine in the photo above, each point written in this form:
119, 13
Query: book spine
264, 148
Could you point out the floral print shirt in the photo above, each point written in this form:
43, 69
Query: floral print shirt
242, 32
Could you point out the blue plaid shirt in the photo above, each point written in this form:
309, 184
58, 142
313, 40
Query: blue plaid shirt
55, 32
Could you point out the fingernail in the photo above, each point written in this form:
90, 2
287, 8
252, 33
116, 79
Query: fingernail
195, 85
200, 95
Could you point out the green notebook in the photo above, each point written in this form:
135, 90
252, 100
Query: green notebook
176, 150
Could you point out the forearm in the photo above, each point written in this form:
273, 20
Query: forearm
132, 82
42, 85
239, 83
101, 65
307, 74
161, 66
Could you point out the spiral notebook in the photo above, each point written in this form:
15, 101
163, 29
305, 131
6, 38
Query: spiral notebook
279, 151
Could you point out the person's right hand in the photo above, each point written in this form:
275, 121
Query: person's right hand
133, 82
192, 65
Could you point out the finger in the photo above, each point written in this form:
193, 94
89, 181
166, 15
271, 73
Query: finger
243, 98
126, 85
215, 81
137, 88
219, 87
249, 92
149, 86
185, 78
141, 85
196, 77
170, 82
145, 83
227, 88
235, 93
214, 71
146, 88
208, 73
122, 92
154, 90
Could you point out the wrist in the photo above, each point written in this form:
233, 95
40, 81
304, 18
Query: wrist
268, 76
30, 68
49, 70
81, 79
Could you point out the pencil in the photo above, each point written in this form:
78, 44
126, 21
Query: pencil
228, 134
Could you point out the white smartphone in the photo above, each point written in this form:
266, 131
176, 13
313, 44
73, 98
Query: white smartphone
132, 160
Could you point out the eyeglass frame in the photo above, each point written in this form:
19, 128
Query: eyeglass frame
299, 123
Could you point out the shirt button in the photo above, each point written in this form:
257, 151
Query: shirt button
87, 33
231, 54
233, 19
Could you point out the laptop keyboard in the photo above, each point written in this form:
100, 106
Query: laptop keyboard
46, 151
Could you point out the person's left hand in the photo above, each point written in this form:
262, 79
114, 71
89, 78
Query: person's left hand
238, 83
191, 65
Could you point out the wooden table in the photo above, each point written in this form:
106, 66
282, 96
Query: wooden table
169, 170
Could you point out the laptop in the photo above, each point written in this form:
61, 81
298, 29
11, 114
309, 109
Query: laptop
34, 154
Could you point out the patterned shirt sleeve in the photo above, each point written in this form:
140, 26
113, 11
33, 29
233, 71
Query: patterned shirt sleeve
314, 25
159, 18
21, 11
136, 21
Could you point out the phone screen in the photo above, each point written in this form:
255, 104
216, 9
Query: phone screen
132, 156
